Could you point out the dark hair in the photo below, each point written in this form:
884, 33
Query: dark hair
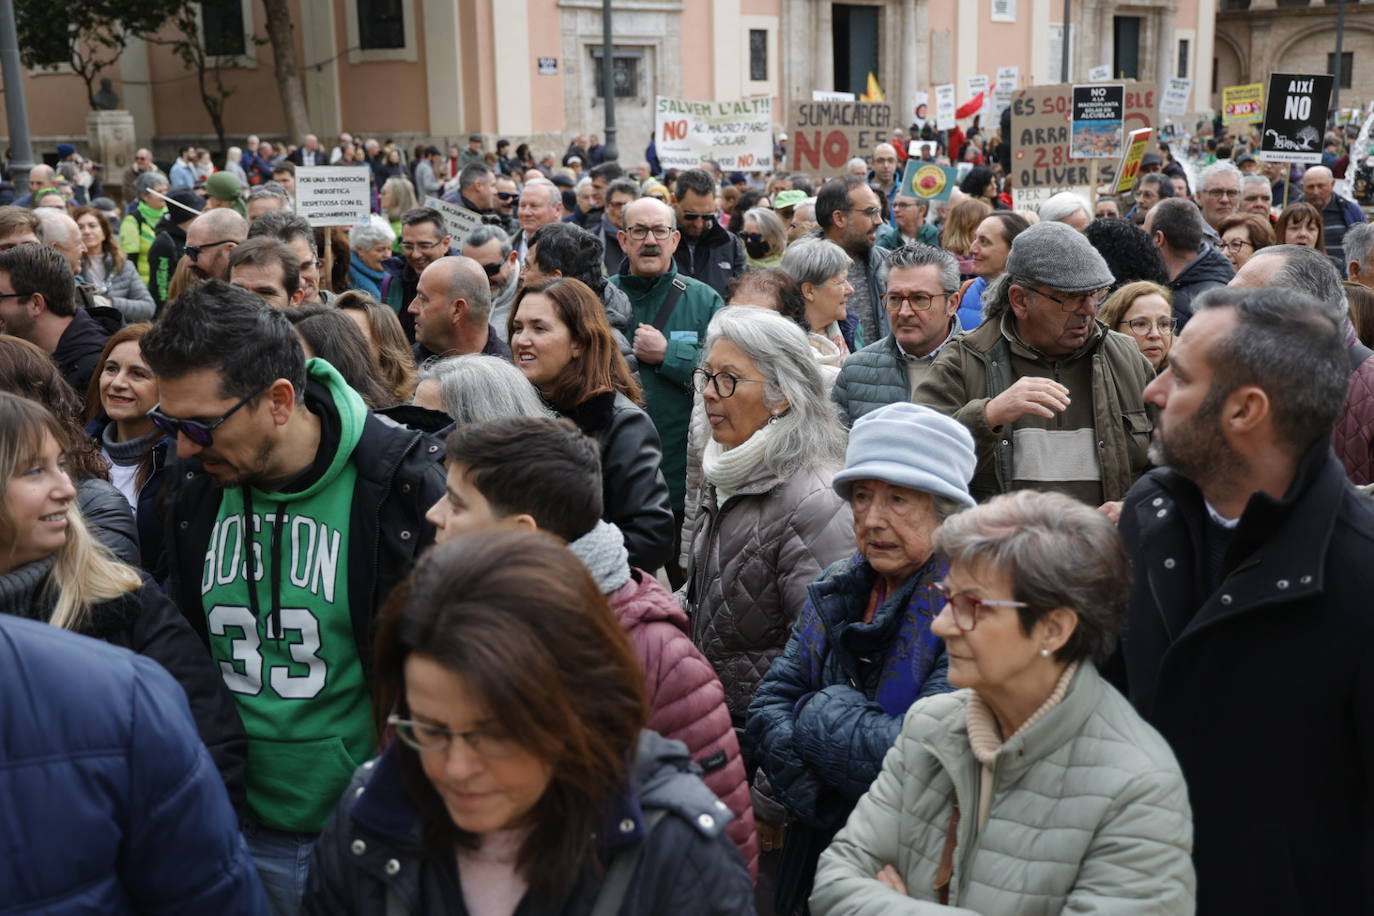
571, 250
129, 333
334, 338
1300, 212
1128, 251
265, 252
800, 181
1291, 347
1181, 223
600, 367
519, 617
697, 181
834, 196
422, 215
28, 372
1257, 228
472, 173
36, 268
607, 170
783, 291
747, 201
1164, 185
976, 181
512, 461
1013, 224
1361, 301
622, 186
286, 165
221, 327
284, 226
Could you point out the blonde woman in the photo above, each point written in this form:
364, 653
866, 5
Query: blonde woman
960, 227
52, 569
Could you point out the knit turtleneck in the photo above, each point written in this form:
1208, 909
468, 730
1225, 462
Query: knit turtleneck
19, 587
729, 469
130, 452
602, 550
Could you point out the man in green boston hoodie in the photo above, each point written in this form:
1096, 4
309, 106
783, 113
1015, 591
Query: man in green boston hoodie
671, 313
291, 513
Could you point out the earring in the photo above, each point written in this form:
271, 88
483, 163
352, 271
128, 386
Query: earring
1045, 653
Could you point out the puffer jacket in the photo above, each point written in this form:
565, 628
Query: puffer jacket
716, 258
1089, 815
751, 562
127, 292
371, 861
874, 377
686, 699
108, 516
109, 802
1352, 437
1208, 270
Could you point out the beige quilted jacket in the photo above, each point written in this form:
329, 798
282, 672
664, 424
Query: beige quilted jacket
1089, 815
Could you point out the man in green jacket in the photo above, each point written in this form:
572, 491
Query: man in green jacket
671, 313
1054, 399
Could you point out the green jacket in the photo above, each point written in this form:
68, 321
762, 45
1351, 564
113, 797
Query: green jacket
1089, 814
668, 386
977, 366
890, 237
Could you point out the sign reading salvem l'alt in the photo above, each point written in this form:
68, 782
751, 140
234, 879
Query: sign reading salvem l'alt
1295, 117
333, 195
737, 135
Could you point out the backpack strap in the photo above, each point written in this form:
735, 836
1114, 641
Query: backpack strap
624, 866
669, 302
963, 288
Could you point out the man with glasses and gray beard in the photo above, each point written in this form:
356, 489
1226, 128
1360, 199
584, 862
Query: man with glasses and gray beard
1052, 396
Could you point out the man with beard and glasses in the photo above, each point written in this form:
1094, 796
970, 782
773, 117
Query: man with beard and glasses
1247, 640
210, 239
850, 214
1053, 397
706, 252
293, 512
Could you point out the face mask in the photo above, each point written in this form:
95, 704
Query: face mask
757, 249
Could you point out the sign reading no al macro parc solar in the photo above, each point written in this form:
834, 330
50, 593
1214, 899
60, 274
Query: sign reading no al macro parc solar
737, 135
823, 136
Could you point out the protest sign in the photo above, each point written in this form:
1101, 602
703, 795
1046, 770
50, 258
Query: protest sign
1174, 100
927, 181
1129, 168
334, 195
825, 135
820, 95
944, 107
1008, 78
737, 135
980, 84
1097, 114
1040, 136
922, 109
1295, 116
1243, 104
459, 222
1100, 74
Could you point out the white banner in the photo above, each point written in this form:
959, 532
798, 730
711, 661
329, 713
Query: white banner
459, 222
1174, 100
1100, 74
976, 84
334, 195
944, 107
737, 135
1008, 81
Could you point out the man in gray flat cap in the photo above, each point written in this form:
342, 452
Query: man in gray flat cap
1054, 399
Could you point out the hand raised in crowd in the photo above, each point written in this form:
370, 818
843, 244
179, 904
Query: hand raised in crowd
650, 345
1042, 397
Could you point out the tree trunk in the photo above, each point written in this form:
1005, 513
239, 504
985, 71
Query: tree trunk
281, 31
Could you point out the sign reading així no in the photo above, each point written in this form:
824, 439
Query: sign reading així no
1295, 116
823, 136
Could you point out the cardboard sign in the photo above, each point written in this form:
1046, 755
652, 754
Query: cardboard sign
944, 107
1243, 104
1295, 116
927, 181
826, 135
334, 195
922, 109
1008, 78
737, 135
980, 84
1040, 137
459, 222
1129, 168
1174, 101
1097, 114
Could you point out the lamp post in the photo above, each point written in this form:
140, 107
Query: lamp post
17, 114
1064, 45
611, 153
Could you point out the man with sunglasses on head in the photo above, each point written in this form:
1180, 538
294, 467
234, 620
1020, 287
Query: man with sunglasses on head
210, 239
292, 511
706, 252
424, 240
1054, 399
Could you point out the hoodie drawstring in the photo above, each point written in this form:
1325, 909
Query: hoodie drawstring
274, 630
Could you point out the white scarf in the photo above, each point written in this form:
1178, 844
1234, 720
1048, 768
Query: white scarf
729, 469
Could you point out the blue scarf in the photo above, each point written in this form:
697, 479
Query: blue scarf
365, 278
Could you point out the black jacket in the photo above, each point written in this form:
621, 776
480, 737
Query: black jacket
108, 516
634, 493
1208, 270
372, 849
163, 257
400, 475
1263, 686
78, 350
715, 259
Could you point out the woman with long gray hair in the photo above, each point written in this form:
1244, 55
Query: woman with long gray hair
476, 388
770, 521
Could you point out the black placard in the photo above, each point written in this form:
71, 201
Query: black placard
1295, 110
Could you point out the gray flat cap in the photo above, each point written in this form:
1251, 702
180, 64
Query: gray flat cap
1058, 256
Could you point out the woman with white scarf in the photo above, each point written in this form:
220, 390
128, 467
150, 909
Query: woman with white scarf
770, 521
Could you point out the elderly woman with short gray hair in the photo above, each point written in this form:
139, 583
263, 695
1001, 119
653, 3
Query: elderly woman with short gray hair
476, 388
370, 242
769, 520
1037, 788
821, 269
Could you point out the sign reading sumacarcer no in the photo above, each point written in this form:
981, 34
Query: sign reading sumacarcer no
738, 136
823, 136
333, 195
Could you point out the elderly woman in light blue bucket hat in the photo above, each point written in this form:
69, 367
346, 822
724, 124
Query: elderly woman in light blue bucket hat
862, 651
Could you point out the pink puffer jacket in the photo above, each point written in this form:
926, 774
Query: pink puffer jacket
686, 699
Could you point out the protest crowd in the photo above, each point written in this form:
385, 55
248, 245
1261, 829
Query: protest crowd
569, 535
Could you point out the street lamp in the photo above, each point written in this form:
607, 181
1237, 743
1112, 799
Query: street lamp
17, 114
610, 153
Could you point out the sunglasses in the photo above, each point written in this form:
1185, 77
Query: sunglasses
689, 217
507, 195
193, 251
202, 434
493, 269
752, 237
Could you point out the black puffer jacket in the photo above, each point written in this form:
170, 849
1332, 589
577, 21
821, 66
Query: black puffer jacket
1208, 270
633, 491
716, 258
370, 861
108, 516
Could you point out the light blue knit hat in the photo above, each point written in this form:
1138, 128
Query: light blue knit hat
911, 446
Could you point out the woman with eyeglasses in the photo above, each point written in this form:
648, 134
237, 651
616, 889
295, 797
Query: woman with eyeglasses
862, 652
562, 342
1035, 787
53, 569
1145, 311
522, 779
1242, 234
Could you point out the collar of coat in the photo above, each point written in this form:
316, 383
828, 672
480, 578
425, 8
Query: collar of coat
841, 598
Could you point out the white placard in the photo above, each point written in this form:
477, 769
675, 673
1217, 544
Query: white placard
944, 107
1174, 100
737, 135
459, 222
334, 195
973, 85
1008, 81
1003, 11
820, 95
1100, 74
